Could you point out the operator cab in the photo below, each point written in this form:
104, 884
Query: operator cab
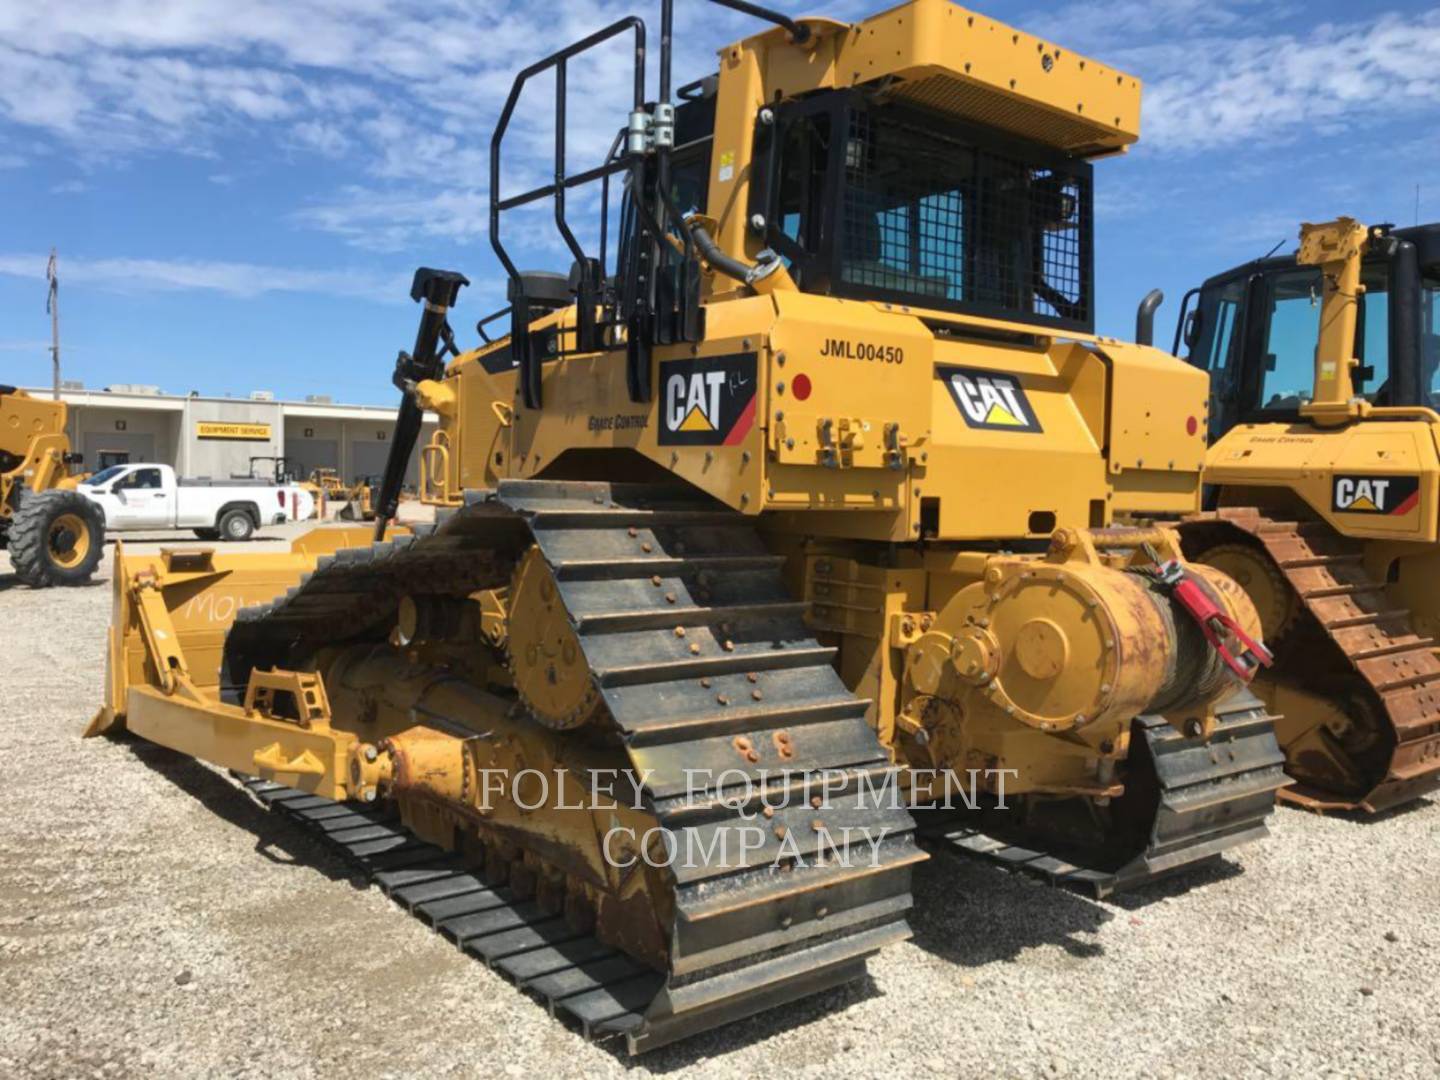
912, 181
1255, 329
870, 197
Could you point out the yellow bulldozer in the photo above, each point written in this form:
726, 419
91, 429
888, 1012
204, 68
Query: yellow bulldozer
810, 498
1323, 481
55, 536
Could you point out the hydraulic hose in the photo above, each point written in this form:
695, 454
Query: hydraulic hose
742, 272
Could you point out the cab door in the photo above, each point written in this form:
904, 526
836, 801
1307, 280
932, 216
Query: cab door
142, 500
1226, 340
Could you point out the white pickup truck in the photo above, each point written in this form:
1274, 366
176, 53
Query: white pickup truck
150, 497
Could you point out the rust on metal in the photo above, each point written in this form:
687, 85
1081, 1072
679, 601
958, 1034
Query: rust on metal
1396, 674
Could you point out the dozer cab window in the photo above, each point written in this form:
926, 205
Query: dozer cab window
1257, 335
913, 208
1294, 329
1430, 340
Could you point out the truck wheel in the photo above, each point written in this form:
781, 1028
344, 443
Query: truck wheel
236, 525
207, 534
56, 538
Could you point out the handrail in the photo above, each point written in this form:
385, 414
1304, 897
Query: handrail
630, 22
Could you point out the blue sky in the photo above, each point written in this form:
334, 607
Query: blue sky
240, 191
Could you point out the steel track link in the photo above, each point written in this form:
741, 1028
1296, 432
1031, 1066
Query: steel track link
707, 671
1395, 667
1204, 798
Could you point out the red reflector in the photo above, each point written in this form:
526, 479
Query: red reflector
1191, 425
801, 387
281, 496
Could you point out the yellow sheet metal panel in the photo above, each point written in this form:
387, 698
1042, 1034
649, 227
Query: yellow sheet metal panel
1376, 480
957, 61
847, 403
704, 422
1158, 406
1373, 481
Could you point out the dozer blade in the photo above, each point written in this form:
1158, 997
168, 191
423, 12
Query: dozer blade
1389, 682
702, 659
1188, 800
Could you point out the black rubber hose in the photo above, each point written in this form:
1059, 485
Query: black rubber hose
718, 259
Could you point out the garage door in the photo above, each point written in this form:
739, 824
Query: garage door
103, 448
307, 455
368, 459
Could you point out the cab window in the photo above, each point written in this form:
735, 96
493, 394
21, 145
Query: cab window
1430, 338
139, 480
1289, 362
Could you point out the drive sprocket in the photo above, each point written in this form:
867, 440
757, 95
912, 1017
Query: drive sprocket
544, 653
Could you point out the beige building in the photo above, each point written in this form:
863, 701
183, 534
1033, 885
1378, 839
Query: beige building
218, 437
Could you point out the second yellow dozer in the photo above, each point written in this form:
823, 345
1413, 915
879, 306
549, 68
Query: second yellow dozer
799, 513
1323, 482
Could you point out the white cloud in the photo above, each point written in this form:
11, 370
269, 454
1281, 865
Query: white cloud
1224, 92
236, 279
404, 93
324, 138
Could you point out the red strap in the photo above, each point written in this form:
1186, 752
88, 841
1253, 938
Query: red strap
1221, 630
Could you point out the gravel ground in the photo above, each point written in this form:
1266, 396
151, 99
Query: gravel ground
154, 921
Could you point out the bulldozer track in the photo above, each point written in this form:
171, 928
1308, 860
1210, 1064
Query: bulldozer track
1209, 796
575, 975
1395, 667
697, 649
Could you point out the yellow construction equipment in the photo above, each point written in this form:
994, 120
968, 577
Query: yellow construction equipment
54, 534
795, 508
328, 482
360, 500
1324, 475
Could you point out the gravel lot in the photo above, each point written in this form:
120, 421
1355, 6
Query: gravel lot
153, 920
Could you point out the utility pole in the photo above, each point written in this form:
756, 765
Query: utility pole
52, 305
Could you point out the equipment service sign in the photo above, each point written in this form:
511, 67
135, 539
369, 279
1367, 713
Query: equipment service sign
989, 400
1390, 495
707, 401
210, 429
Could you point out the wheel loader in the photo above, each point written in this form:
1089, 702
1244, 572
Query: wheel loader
789, 506
1322, 483
54, 534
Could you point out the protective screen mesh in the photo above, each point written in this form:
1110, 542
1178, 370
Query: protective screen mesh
932, 216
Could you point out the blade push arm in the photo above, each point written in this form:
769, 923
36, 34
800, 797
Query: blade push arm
436, 291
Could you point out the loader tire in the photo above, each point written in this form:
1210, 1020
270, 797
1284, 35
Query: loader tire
56, 538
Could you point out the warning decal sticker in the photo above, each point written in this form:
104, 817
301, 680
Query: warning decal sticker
990, 400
